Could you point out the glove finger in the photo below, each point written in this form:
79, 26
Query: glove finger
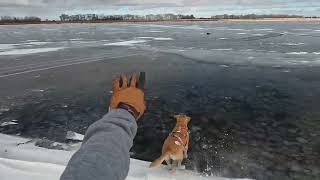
142, 80
115, 84
124, 81
133, 80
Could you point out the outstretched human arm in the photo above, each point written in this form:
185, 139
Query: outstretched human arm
104, 153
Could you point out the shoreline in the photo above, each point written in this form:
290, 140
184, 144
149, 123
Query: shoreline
167, 21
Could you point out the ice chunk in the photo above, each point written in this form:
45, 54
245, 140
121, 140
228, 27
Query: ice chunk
8, 123
74, 136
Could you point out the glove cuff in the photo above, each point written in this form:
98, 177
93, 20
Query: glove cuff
130, 109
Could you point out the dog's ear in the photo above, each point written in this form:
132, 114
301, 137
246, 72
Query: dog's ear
188, 119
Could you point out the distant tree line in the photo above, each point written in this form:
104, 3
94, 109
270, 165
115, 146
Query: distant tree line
254, 16
27, 19
127, 17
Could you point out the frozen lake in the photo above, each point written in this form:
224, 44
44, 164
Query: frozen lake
252, 88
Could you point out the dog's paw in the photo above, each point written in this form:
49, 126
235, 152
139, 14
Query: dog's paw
182, 167
185, 155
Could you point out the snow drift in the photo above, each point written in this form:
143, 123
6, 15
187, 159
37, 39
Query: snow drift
20, 159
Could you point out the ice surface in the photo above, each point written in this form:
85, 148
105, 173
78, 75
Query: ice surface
29, 51
126, 43
20, 159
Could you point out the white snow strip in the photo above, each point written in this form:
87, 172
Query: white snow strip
156, 31
29, 162
223, 65
36, 43
228, 49
145, 37
292, 44
8, 123
263, 29
7, 46
37, 90
76, 39
31, 40
163, 39
29, 51
74, 136
235, 29
317, 30
301, 29
317, 53
241, 33
258, 34
126, 43
223, 38
297, 53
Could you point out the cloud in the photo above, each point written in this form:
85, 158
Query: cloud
52, 8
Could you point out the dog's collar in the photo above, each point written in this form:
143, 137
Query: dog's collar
174, 134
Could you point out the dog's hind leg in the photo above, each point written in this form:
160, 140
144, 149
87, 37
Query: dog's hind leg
179, 165
169, 164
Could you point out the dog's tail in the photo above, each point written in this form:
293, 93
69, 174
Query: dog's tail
158, 161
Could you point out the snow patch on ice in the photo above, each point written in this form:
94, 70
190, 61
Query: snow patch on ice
29, 51
230, 29
155, 31
145, 37
263, 29
317, 53
31, 40
258, 34
241, 33
301, 29
36, 43
163, 39
7, 46
297, 53
126, 43
292, 44
37, 90
227, 49
76, 39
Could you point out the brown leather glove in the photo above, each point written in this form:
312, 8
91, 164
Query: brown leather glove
129, 96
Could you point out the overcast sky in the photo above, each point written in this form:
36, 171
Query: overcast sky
51, 9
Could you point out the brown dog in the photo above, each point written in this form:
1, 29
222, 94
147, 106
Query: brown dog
175, 147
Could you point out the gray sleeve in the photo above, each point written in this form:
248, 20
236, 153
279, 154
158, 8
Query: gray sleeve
104, 154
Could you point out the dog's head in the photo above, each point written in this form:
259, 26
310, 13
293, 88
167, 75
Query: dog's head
182, 118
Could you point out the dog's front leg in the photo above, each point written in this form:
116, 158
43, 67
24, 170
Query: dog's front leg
180, 166
185, 153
